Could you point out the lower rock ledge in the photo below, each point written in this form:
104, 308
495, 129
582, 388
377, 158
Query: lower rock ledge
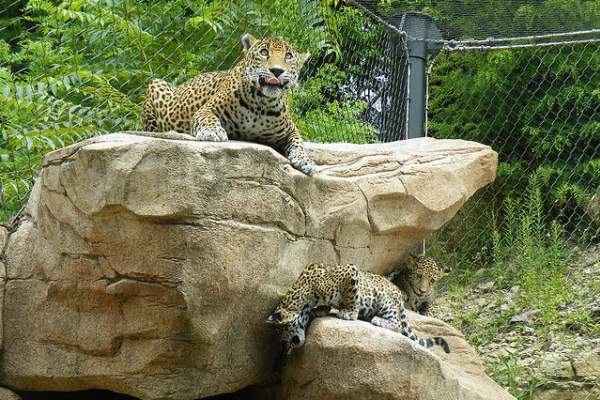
6, 394
356, 360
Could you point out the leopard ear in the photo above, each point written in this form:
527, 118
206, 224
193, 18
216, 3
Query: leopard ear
275, 318
302, 57
248, 41
446, 270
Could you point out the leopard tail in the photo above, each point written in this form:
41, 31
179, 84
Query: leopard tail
406, 330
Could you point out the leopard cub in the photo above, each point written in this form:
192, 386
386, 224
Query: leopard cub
416, 278
354, 293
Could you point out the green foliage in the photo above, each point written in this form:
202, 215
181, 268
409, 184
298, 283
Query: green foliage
537, 108
529, 263
529, 253
462, 19
323, 119
515, 378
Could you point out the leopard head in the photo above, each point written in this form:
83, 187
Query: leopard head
272, 65
293, 335
281, 317
291, 326
422, 274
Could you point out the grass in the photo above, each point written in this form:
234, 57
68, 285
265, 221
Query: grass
525, 256
510, 375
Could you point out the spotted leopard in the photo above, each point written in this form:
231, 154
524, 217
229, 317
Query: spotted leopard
416, 278
354, 293
247, 102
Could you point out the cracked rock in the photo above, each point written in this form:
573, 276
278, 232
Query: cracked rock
148, 266
354, 360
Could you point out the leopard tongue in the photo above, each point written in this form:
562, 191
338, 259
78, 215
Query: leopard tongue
273, 81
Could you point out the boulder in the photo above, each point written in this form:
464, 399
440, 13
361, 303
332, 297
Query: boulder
356, 360
6, 394
587, 365
3, 240
147, 266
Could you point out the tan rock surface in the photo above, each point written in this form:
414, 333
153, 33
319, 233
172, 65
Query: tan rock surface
355, 360
148, 266
6, 394
3, 240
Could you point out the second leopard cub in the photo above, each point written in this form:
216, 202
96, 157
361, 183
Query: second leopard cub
355, 293
416, 278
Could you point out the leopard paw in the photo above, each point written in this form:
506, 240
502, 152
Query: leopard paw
217, 134
309, 168
349, 315
302, 162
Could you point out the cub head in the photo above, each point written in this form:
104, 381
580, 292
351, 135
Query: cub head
272, 65
291, 326
422, 273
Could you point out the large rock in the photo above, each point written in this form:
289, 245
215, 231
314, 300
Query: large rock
3, 240
358, 361
148, 266
6, 394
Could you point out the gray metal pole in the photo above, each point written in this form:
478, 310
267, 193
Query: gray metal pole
417, 61
423, 39
418, 26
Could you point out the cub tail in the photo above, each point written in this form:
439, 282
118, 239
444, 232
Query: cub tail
406, 330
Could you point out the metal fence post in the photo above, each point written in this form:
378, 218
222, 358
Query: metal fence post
420, 30
417, 62
422, 34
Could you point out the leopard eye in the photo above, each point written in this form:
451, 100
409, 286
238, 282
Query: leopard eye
264, 52
289, 56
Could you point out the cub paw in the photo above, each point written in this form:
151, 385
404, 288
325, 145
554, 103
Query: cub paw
347, 315
308, 168
380, 322
211, 135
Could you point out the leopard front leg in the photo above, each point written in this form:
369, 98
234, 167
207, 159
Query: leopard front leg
385, 323
206, 126
296, 153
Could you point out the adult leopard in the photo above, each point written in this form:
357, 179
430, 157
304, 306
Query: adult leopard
246, 102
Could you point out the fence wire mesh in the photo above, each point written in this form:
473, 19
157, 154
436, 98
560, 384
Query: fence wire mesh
538, 108
74, 69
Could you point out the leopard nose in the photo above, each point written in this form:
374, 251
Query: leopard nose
276, 71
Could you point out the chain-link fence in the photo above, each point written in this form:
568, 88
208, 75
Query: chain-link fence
73, 69
532, 95
538, 107
522, 77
